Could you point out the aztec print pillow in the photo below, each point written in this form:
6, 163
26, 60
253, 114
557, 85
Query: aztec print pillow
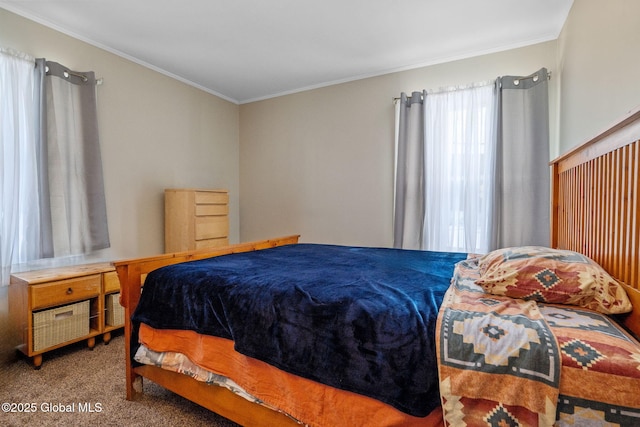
553, 276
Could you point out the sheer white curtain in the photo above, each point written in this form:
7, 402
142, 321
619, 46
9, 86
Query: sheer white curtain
19, 213
459, 164
445, 146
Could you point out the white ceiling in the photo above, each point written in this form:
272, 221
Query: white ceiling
246, 50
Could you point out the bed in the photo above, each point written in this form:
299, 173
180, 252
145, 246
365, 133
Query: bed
585, 339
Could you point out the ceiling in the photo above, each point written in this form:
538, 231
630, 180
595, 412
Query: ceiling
247, 50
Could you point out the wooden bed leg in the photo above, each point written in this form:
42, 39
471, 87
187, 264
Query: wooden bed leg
130, 288
134, 386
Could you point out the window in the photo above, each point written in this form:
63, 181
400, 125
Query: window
48, 122
472, 170
448, 181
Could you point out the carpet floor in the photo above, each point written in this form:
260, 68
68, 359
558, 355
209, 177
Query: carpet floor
78, 386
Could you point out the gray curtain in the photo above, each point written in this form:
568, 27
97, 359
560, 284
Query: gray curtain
409, 205
522, 211
46, 242
75, 214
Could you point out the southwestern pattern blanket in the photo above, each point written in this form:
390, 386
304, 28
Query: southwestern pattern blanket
505, 361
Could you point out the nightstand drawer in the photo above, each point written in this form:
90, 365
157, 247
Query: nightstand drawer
64, 291
111, 282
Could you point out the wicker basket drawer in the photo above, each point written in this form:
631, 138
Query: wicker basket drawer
60, 324
115, 312
64, 291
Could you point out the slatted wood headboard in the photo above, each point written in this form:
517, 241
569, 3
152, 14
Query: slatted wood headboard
595, 201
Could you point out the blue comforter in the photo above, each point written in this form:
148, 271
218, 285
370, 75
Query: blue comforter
359, 319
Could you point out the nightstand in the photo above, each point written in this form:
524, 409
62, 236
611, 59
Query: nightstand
55, 307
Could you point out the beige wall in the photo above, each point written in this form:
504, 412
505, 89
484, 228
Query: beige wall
320, 163
155, 133
599, 67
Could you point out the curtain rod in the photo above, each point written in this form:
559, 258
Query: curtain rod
83, 77
533, 76
80, 75
516, 82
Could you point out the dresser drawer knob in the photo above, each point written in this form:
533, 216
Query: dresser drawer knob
69, 291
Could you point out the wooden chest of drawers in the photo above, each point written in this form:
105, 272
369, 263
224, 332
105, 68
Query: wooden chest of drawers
195, 219
33, 294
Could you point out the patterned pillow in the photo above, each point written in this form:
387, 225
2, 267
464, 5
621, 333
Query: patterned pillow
552, 276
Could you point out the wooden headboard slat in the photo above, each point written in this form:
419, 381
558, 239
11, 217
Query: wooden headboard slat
634, 205
626, 218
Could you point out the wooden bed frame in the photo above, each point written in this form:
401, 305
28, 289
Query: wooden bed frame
595, 204
132, 274
595, 200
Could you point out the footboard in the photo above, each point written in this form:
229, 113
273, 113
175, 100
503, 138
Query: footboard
133, 272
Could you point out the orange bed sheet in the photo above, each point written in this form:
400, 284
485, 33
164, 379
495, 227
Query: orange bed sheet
310, 402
